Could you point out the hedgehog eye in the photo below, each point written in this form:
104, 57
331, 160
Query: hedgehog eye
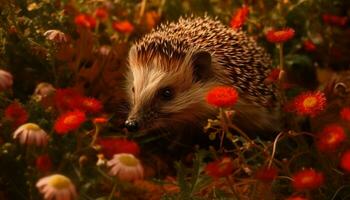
166, 93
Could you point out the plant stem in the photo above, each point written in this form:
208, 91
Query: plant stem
229, 182
112, 192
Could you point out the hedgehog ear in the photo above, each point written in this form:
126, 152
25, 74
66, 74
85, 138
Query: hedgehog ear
201, 62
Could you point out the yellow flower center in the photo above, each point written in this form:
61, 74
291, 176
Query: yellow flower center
69, 119
307, 179
129, 160
332, 138
32, 127
310, 102
59, 182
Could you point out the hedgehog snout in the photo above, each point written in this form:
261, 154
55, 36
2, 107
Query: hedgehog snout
132, 125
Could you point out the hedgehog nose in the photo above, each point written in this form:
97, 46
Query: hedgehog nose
131, 125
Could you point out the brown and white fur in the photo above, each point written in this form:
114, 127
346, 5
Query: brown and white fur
188, 58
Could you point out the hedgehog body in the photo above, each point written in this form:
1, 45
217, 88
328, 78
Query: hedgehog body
172, 68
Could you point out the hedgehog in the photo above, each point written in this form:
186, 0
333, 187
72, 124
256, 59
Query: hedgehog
171, 69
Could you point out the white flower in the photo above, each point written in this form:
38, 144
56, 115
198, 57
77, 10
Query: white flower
43, 90
56, 36
57, 187
126, 167
6, 80
30, 133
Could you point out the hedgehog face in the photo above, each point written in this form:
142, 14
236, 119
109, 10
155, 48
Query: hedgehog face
164, 93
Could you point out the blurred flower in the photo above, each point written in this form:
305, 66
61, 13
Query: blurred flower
266, 174
101, 14
345, 113
126, 167
220, 168
307, 179
30, 133
56, 36
151, 19
16, 114
274, 76
310, 103
222, 96
101, 160
331, 137
296, 198
91, 105
104, 50
43, 90
309, 46
67, 99
43, 163
239, 18
100, 120
334, 20
86, 21
69, 121
345, 161
123, 26
57, 187
111, 146
280, 36
6, 80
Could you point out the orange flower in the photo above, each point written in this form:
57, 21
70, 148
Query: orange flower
240, 17
69, 121
345, 113
101, 13
310, 103
43, 163
16, 114
280, 36
85, 21
67, 99
222, 96
309, 46
335, 20
345, 161
123, 26
111, 146
100, 120
91, 105
331, 137
307, 179
266, 174
220, 168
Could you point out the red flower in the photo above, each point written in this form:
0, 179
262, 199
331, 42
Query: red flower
67, 99
16, 114
69, 121
309, 46
331, 137
101, 13
296, 198
310, 103
345, 161
240, 17
307, 179
100, 120
43, 163
91, 105
335, 20
280, 36
220, 168
123, 26
266, 174
345, 113
222, 96
273, 76
111, 146
85, 21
